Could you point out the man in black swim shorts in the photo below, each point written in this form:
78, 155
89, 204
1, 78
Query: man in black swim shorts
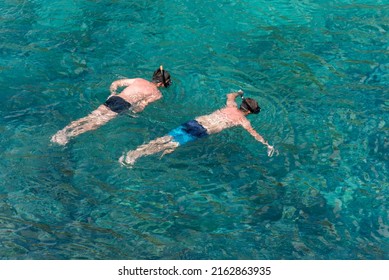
135, 96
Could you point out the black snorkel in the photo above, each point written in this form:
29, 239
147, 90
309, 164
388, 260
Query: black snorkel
165, 84
163, 75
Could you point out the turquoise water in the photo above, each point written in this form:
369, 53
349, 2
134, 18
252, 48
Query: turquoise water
319, 69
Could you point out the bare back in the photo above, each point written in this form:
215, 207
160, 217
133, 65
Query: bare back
221, 119
139, 93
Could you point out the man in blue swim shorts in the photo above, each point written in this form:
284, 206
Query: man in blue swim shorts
203, 126
135, 96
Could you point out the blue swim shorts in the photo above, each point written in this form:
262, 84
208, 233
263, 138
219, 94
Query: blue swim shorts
187, 132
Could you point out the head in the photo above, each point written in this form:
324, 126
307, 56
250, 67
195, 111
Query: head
250, 106
161, 77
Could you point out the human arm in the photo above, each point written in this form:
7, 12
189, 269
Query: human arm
231, 98
247, 126
140, 106
120, 83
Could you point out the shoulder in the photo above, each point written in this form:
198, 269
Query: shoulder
245, 122
232, 104
231, 110
143, 82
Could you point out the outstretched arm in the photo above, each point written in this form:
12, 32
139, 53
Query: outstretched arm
258, 137
120, 83
231, 98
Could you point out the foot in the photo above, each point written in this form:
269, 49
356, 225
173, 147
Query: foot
127, 161
271, 151
60, 138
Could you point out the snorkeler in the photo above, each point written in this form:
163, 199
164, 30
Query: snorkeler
203, 126
136, 95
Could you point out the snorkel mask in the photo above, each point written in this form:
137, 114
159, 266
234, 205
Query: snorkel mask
250, 107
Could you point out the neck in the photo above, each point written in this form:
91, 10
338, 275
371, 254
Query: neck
244, 112
157, 84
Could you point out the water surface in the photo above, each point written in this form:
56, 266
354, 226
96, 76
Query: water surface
319, 70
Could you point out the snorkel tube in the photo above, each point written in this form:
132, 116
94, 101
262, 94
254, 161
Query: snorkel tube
241, 93
163, 76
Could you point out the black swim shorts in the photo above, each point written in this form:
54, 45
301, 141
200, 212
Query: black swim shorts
117, 104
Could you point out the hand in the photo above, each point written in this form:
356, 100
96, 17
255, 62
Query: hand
113, 89
270, 150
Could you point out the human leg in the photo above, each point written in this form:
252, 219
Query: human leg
94, 120
163, 144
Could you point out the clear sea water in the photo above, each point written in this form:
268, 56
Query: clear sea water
319, 69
